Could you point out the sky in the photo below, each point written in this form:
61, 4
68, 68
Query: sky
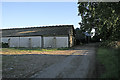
28, 14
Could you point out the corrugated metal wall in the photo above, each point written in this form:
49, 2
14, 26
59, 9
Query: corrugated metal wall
55, 42
23, 41
52, 42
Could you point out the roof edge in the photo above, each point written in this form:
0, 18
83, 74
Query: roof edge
39, 27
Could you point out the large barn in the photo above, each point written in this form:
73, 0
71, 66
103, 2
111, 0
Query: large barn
43, 37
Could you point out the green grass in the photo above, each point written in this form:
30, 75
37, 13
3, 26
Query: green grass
109, 58
34, 49
65, 48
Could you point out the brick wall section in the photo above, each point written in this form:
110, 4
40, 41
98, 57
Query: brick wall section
71, 38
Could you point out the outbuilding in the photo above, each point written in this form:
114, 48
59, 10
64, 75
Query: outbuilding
43, 37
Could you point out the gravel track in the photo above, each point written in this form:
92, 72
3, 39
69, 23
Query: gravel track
78, 63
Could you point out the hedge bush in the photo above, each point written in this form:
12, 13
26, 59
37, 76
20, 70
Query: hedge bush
5, 45
110, 44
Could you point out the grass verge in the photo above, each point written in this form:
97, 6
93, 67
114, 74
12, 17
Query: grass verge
34, 49
110, 59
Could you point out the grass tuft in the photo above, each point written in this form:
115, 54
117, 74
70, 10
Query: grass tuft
33, 49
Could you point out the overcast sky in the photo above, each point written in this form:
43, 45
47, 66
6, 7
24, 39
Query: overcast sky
24, 14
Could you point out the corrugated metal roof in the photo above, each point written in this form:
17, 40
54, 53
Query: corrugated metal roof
32, 31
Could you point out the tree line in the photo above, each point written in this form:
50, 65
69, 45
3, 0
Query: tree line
104, 17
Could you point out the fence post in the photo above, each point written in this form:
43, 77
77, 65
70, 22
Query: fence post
30, 45
9, 42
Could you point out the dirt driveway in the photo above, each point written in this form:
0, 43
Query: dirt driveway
75, 63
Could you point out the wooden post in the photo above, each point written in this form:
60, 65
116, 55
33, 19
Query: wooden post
30, 44
42, 42
68, 40
9, 42
19, 42
54, 42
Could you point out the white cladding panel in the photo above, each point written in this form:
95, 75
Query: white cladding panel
24, 42
55, 42
30, 41
36, 41
61, 42
14, 42
48, 42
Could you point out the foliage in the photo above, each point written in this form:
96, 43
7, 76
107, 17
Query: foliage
109, 58
102, 16
95, 39
5, 45
63, 48
110, 44
79, 36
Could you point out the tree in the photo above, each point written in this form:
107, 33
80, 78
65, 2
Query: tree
102, 16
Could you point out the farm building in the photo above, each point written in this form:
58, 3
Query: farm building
43, 37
